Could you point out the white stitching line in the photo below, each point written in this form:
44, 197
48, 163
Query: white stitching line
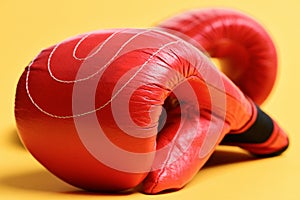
101, 68
98, 49
140, 69
104, 105
31, 99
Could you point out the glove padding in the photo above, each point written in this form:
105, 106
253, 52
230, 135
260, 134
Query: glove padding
245, 50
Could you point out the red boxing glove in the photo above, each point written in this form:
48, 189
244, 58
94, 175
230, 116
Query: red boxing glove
108, 110
245, 50
247, 53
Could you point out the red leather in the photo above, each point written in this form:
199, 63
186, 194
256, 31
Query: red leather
277, 143
247, 54
246, 51
112, 109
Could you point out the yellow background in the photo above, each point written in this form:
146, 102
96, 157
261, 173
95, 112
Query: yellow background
28, 26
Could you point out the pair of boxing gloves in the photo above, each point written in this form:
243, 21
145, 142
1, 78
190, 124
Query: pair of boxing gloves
113, 109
